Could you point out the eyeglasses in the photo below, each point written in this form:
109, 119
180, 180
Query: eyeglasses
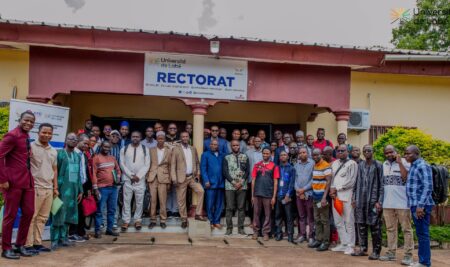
292, 147
367, 150
214, 130
340, 150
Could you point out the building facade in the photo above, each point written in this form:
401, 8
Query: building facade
99, 73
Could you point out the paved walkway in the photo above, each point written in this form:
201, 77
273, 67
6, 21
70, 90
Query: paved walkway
169, 250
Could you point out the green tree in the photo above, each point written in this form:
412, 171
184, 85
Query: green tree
427, 29
432, 150
4, 119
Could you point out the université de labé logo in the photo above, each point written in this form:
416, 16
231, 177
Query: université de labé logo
400, 14
435, 16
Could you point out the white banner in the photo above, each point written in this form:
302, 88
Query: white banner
195, 77
55, 115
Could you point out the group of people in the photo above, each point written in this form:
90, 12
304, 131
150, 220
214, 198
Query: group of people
328, 191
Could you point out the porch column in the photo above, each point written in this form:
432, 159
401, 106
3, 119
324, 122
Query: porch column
342, 118
199, 109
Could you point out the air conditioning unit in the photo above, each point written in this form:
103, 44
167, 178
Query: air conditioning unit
359, 120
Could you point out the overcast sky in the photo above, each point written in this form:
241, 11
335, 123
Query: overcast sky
345, 22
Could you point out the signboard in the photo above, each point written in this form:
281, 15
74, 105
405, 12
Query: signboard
55, 115
195, 76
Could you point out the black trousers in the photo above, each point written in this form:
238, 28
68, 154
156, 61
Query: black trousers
375, 231
284, 211
235, 199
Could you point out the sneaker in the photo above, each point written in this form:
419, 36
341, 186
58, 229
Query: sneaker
115, 226
418, 264
315, 244
77, 238
98, 235
41, 248
407, 260
389, 257
323, 247
241, 232
301, 239
112, 233
54, 246
229, 232
339, 248
32, 250
311, 241
374, 256
349, 251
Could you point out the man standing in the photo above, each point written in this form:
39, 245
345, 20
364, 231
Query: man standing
172, 202
303, 187
223, 148
17, 185
189, 129
70, 192
284, 198
107, 132
327, 154
300, 138
341, 139
213, 182
278, 136
344, 178
149, 142
293, 158
236, 168
254, 156
124, 131
185, 171
355, 154
88, 126
245, 135
309, 144
77, 231
285, 147
172, 135
367, 202
236, 135
105, 170
395, 205
262, 135
158, 127
43, 169
135, 164
264, 190
321, 184
159, 179
419, 189
321, 142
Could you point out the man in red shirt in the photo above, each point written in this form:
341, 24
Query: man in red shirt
264, 190
321, 142
17, 185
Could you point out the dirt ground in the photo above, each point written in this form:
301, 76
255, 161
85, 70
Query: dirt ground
148, 249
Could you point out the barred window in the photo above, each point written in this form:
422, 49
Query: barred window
378, 130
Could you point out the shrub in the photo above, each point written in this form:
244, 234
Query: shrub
4, 119
432, 150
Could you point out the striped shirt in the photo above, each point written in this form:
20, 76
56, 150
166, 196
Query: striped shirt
321, 171
103, 167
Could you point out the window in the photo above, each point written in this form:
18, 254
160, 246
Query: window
378, 130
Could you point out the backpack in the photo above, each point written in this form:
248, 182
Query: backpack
144, 148
440, 183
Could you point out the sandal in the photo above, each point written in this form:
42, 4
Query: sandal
124, 227
138, 225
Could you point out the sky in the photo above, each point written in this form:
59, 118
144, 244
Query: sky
343, 22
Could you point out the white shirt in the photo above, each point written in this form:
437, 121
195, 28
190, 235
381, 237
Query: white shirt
134, 164
394, 187
160, 154
188, 156
345, 179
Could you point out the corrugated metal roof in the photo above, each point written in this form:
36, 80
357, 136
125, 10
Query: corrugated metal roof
249, 39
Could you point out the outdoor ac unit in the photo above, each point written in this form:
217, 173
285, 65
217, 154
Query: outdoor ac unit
359, 120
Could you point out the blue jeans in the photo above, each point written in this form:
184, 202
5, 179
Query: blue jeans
109, 198
423, 235
214, 204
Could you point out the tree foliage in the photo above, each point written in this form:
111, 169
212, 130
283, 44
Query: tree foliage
432, 150
4, 119
427, 28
